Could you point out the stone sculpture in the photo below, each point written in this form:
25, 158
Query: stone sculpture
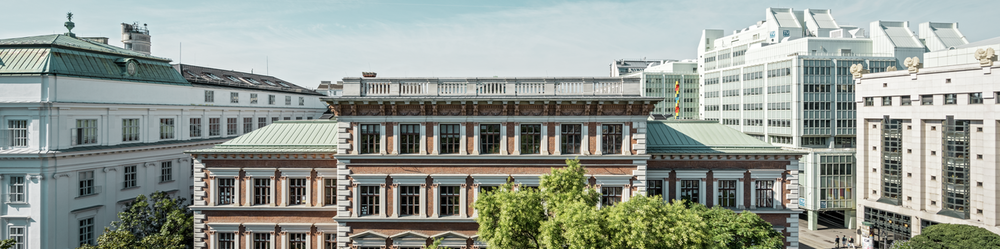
912, 64
985, 56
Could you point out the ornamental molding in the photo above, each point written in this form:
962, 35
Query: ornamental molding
985, 56
912, 64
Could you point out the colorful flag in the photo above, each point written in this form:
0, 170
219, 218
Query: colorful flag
677, 98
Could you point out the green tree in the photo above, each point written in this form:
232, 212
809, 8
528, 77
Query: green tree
630, 224
953, 236
733, 230
510, 219
7, 243
158, 221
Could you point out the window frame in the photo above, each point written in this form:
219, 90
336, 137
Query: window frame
611, 196
18, 236
409, 200
288, 100
450, 201
230, 240
130, 177
225, 188
654, 187
131, 130
261, 191
975, 98
370, 199
261, 240
887, 101
409, 138
168, 129
271, 99
234, 97
85, 132
232, 126
571, 139
17, 189
253, 98
247, 125
450, 143
297, 191
329, 191
926, 99
950, 99
611, 141
729, 192
85, 180
166, 171
690, 189
302, 101
261, 122
489, 140
17, 133
530, 138
85, 230
764, 193
209, 96
214, 128
370, 139
194, 128
905, 100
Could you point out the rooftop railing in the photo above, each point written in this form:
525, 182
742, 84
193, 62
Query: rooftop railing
502, 87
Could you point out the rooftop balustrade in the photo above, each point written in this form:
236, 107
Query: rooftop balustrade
491, 87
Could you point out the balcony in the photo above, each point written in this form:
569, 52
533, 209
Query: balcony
491, 87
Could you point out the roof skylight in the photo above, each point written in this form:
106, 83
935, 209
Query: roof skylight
210, 75
230, 77
255, 82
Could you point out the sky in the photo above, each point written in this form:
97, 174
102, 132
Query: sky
305, 42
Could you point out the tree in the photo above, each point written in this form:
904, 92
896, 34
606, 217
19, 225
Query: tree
630, 224
7, 243
158, 221
510, 219
733, 230
953, 236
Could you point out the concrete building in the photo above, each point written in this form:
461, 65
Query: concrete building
331, 89
928, 141
786, 80
86, 127
407, 158
667, 80
622, 67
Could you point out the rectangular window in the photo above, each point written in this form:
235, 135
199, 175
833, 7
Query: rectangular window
689, 191
409, 138
370, 197
209, 96
287, 118
16, 189
765, 193
654, 188
531, 138
886, 101
214, 128
892, 161
727, 193
234, 97
370, 139
297, 191
950, 99
261, 191
975, 98
227, 190
330, 191
302, 101
450, 200
270, 99
570, 138
166, 128
85, 132
274, 119
611, 139
450, 138
86, 229
226, 240
247, 125
261, 122
330, 241
261, 241
837, 181
288, 100
87, 183
130, 177
869, 101
297, 241
905, 100
130, 129
166, 171
489, 139
253, 98
956, 168
18, 133
16, 233
926, 99
231, 126
610, 196
298, 118
410, 200
195, 128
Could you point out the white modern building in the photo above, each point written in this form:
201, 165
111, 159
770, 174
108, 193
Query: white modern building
786, 80
928, 141
622, 67
85, 127
677, 83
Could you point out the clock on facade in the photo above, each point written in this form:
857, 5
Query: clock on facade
131, 67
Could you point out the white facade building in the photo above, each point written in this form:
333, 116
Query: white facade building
927, 149
667, 80
86, 127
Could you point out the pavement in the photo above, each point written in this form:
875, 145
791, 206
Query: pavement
822, 237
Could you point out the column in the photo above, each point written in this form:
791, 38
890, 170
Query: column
382, 135
356, 138
545, 138
463, 206
395, 200
597, 141
423, 200
284, 192
545, 143
753, 193
475, 138
236, 188
437, 139
517, 139
309, 186
812, 220
320, 192
701, 191
503, 138
274, 185
212, 191
464, 148
627, 137
395, 138
423, 138
381, 203
437, 204
584, 139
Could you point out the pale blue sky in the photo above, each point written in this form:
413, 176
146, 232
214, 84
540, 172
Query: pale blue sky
310, 41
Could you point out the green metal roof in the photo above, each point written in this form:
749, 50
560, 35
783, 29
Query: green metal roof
700, 137
312, 136
65, 55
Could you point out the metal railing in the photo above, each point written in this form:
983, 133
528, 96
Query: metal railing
493, 88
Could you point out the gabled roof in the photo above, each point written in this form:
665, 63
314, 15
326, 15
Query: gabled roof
703, 137
313, 136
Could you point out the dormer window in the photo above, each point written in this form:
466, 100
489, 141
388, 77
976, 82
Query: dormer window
252, 81
213, 76
269, 82
283, 84
230, 77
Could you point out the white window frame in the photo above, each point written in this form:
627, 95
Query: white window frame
691, 175
409, 180
234, 97
450, 180
76, 130
137, 130
219, 173
322, 231
172, 127
288, 229
321, 176
296, 173
219, 228
369, 180
253, 98
485, 180
209, 96
766, 175
728, 175
94, 189
21, 243
17, 136
125, 176
171, 168
259, 173
622, 181
252, 228
93, 232
24, 189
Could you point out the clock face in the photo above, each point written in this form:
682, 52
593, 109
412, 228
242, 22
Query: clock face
131, 67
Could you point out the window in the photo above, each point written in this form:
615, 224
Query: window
297, 241
130, 177
247, 125
610, 196
926, 99
288, 100
253, 98
209, 96
270, 99
570, 138
297, 191
892, 224
227, 190
450, 200
975, 98
905, 100
234, 97
765, 193
531, 138
166, 128
450, 138
410, 200
330, 191
330, 241
214, 128
261, 122
226, 240
18, 133
16, 189
261, 191
886, 101
231, 126
370, 139
869, 101
489, 139
369, 200
166, 171
689, 191
950, 99
409, 138
86, 229
302, 101
955, 167
727, 193
130, 130
195, 128
837, 181
16, 233
287, 118
892, 161
654, 188
611, 139
85, 132
261, 240
821, 141
87, 183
